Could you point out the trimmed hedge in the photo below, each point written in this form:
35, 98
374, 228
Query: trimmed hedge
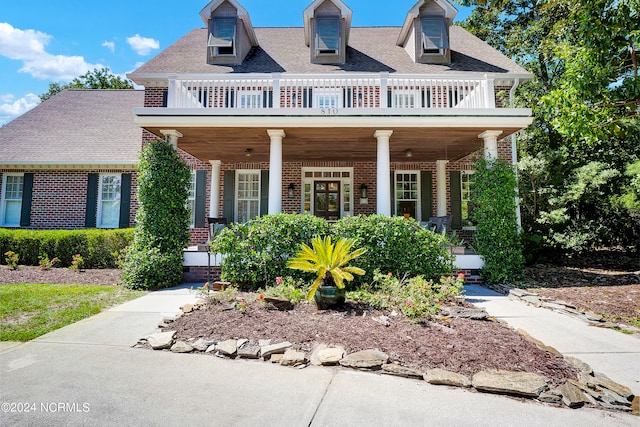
99, 248
395, 245
256, 253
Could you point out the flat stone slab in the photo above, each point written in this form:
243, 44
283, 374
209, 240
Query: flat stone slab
228, 347
365, 359
161, 340
612, 385
579, 364
293, 357
278, 348
330, 356
249, 352
314, 360
200, 344
443, 377
401, 371
572, 396
514, 383
181, 347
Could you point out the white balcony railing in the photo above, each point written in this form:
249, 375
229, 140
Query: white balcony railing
344, 94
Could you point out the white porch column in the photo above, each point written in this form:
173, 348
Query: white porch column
214, 196
441, 189
383, 184
275, 170
490, 138
173, 136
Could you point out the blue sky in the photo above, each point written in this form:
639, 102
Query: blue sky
55, 41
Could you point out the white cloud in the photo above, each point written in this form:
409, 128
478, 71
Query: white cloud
28, 46
143, 45
10, 108
109, 45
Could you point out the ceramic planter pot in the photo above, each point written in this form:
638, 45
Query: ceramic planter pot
329, 296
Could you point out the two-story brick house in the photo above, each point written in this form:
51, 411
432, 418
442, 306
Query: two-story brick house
326, 119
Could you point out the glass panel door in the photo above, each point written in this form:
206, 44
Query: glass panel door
327, 199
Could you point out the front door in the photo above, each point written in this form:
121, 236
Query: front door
326, 198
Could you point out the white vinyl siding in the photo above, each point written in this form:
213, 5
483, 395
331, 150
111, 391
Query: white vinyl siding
109, 201
12, 187
248, 195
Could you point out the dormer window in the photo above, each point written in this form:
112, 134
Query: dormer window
327, 35
222, 37
434, 35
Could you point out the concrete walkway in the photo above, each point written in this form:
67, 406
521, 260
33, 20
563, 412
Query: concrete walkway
609, 352
88, 374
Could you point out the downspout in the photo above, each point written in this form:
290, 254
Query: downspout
514, 159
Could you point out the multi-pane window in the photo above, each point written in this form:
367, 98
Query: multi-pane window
12, 187
250, 99
191, 200
466, 181
248, 191
222, 36
434, 35
327, 98
407, 194
327, 35
109, 201
405, 99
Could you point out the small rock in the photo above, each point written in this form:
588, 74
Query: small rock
515, 383
550, 397
200, 344
635, 405
443, 377
187, 308
181, 347
280, 303
161, 340
249, 352
572, 396
532, 300
383, 320
278, 348
292, 357
579, 365
228, 347
466, 313
365, 359
605, 382
519, 292
199, 303
331, 356
169, 319
242, 342
275, 358
614, 398
594, 317
314, 360
401, 371
211, 348
608, 405
162, 325
264, 343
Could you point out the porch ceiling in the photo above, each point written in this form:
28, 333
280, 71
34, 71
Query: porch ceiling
229, 144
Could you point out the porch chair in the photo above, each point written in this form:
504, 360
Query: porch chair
439, 224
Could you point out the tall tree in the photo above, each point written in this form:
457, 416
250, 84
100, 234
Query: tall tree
585, 99
96, 79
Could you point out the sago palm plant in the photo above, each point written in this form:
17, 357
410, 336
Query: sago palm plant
328, 261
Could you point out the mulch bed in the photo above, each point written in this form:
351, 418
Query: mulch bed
460, 345
30, 274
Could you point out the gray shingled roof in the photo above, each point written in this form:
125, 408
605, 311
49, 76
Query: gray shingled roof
371, 49
76, 126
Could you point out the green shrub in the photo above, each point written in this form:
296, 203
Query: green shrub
414, 297
496, 238
95, 245
256, 253
396, 245
285, 288
162, 221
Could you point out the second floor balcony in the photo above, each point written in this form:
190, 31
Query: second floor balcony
373, 94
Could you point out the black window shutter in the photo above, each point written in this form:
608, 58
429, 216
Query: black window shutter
27, 196
348, 98
426, 195
455, 190
229, 195
267, 98
92, 201
307, 98
125, 199
230, 99
201, 197
392, 177
264, 192
390, 99
165, 98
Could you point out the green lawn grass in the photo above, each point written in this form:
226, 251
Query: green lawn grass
30, 310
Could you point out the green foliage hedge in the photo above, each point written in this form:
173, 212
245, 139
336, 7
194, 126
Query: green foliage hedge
256, 253
395, 245
99, 248
162, 221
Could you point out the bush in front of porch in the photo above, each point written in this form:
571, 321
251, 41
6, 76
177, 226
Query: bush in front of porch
256, 253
